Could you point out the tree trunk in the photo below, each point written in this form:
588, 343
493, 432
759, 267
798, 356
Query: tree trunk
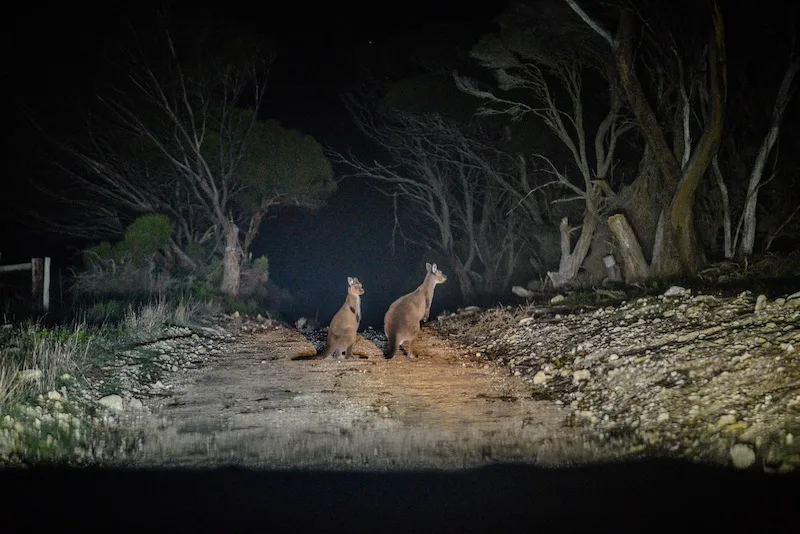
681, 217
726, 209
571, 260
633, 263
231, 261
749, 214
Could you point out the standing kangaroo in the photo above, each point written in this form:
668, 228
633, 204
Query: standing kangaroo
401, 322
342, 332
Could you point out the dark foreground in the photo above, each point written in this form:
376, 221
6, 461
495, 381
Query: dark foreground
638, 497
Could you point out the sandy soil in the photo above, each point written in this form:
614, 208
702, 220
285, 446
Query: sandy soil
257, 407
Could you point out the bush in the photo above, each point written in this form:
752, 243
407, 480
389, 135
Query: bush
144, 238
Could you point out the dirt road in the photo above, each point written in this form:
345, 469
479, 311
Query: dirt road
256, 407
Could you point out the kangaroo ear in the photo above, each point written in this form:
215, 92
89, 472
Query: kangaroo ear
428, 267
350, 281
433, 268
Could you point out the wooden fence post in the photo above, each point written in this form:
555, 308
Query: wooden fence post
46, 285
36, 278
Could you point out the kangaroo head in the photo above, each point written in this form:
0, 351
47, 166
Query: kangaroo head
354, 286
438, 275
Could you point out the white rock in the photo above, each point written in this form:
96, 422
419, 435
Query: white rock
761, 302
135, 404
676, 291
525, 320
726, 420
581, 374
522, 292
789, 438
663, 417
557, 299
113, 402
54, 395
742, 456
539, 378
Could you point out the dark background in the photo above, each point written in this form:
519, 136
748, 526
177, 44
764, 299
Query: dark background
50, 54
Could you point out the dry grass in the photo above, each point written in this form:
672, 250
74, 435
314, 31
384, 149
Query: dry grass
32, 358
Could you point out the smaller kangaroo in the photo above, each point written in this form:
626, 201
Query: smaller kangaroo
401, 322
344, 325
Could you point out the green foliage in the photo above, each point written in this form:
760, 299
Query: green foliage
283, 166
261, 264
145, 237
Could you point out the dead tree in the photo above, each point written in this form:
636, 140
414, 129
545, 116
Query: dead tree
445, 183
682, 167
525, 56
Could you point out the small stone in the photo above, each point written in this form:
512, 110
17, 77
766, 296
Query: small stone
738, 426
135, 404
113, 402
263, 361
539, 378
54, 395
726, 420
663, 417
676, 291
581, 374
761, 302
789, 438
384, 409
557, 299
525, 320
742, 456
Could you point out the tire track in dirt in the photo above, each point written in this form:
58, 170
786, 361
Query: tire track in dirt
256, 407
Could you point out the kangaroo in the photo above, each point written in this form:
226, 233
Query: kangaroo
401, 322
344, 325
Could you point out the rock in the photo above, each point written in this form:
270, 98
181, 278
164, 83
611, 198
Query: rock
522, 292
676, 291
557, 299
525, 320
539, 378
789, 439
726, 420
663, 417
135, 404
113, 402
742, 456
581, 374
793, 296
761, 303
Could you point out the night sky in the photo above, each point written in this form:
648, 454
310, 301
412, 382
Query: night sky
48, 64
50, 57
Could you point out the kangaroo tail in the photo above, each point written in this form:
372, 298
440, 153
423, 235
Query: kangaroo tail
391, 347
324, 353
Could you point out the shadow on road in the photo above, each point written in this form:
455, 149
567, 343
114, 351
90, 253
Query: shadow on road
631, 496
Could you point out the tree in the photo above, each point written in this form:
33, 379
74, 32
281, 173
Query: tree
537, 59
741, 243
179, 134
682, 167
444, 183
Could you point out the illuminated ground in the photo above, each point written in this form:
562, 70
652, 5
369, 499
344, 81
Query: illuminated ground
256, 407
